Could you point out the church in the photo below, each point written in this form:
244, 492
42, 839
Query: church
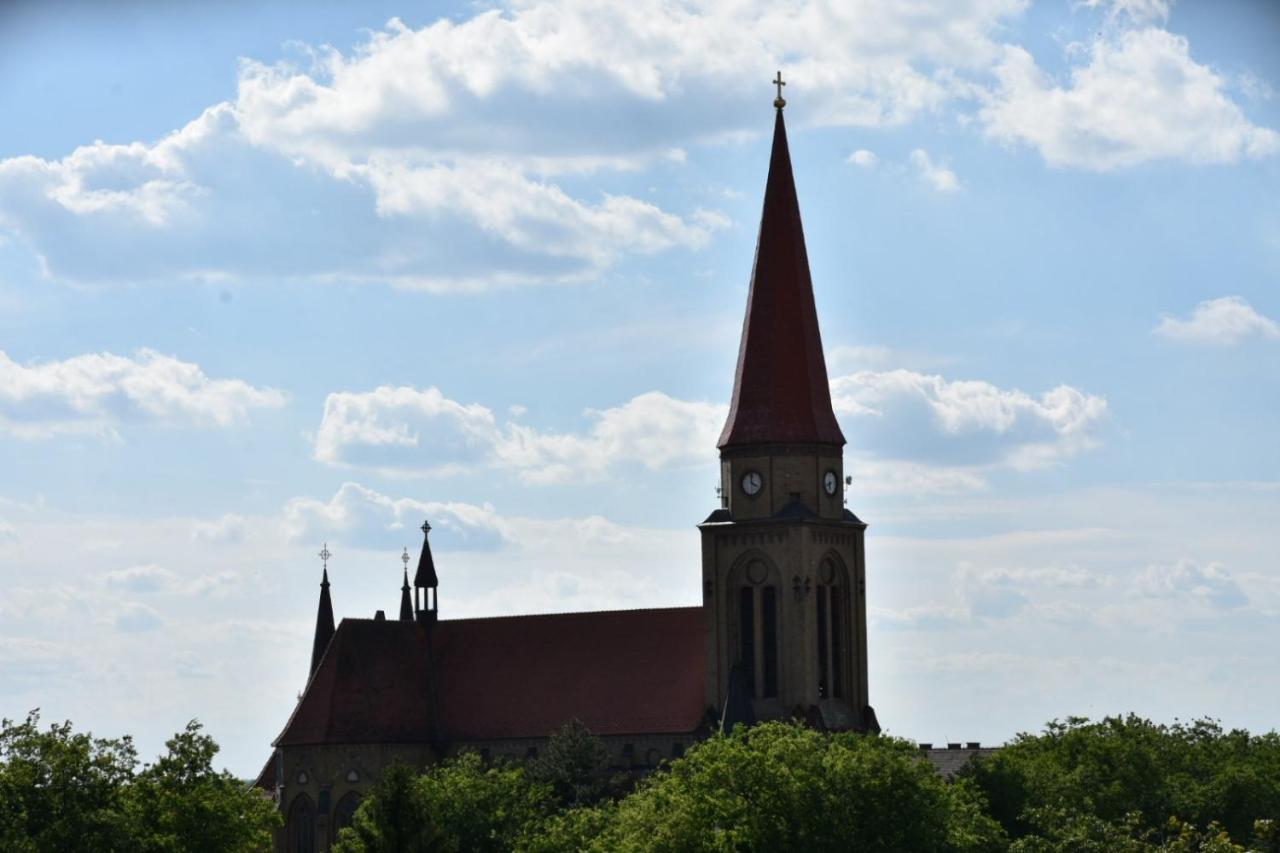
780, 632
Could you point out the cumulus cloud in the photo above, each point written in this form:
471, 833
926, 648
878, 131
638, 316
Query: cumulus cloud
1140, 97
1225, 321
433, 157
407, 429
902, 413
364, 516
935, 175
143, 578
917, 433
863, 158
1210, 584
95, 393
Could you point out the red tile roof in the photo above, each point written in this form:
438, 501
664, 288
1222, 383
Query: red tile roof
780, 390
619, 672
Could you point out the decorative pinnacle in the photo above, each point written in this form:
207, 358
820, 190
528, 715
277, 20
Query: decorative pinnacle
404, 558
324, 555
426, 527
779, 101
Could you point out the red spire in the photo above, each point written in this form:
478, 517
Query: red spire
780, 390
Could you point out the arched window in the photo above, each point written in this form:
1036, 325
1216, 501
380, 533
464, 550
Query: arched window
755, 607
302, 825
833, 585
345, 810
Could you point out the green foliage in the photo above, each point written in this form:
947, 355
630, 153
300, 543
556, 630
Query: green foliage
458, 806
396, 817
479, 808
575, 765
779, 786
181, 803
1133, 776
62, 790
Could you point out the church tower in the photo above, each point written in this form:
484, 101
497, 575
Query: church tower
782, 559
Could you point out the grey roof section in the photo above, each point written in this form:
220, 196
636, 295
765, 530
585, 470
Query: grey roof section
948, 762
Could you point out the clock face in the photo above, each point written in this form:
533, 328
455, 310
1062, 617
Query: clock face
752, 483
830, 482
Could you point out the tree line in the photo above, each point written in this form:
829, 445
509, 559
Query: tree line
1117, 784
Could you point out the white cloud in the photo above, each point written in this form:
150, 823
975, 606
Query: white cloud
430, 158
408, 430
1141, 97
901, 410
1224, 321
364, 516
228, 528
1136, 11
652, 429
863, 158
133, 617
143, 578
411, 428
1210, 585
95, 393
935, 175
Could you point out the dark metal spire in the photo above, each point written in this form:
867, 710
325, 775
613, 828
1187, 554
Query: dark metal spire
406, 599
324, 614
426, 574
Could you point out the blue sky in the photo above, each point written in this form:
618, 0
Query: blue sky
279, 274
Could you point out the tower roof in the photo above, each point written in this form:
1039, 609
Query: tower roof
780, 390
324, 621
426, 574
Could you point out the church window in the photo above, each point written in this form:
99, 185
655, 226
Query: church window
831, 631
756, 608
302, 777
677, 749
769, 622
353, 776
302, 825
346, 810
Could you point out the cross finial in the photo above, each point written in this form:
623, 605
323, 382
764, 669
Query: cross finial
779, 101
426, 526
404, 558
324, 555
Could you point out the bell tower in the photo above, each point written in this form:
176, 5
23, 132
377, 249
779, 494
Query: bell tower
784, 584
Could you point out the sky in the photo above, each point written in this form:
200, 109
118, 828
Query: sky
280, 274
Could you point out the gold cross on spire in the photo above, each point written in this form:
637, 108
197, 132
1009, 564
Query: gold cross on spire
324, 555
404, 558
779, 101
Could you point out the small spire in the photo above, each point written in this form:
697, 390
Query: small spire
425, 577
324, 614
406, 600
779, 101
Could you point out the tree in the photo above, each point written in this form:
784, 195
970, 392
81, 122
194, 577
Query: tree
575, 764
483, 808
780, 786
181, 803
1121, 769
393, 818
62, 790
459, 805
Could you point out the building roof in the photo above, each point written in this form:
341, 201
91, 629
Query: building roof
619, 672
780, 389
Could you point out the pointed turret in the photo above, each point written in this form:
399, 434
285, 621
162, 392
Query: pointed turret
406, 599
324, 615
780, 390
425, 578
